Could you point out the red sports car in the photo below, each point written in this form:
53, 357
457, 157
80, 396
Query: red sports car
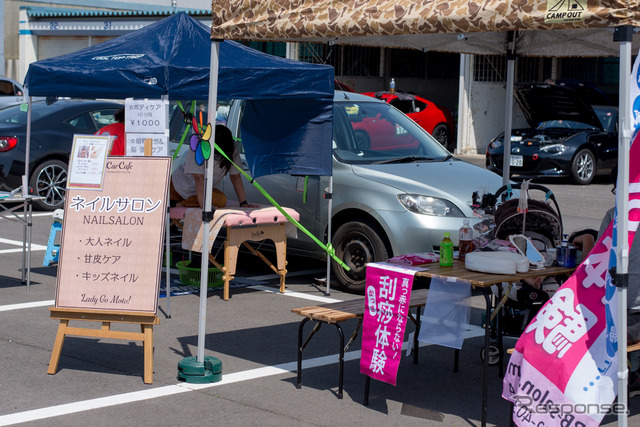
435, 119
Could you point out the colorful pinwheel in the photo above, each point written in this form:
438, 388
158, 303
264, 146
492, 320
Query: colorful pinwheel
200, 142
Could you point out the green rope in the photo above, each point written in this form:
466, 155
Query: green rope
186, 129
304, 193
329, 249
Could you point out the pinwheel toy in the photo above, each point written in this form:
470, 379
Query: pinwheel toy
200, 142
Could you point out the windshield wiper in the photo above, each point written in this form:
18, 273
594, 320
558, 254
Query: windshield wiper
406, 159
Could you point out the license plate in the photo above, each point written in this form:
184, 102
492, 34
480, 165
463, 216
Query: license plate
515, 161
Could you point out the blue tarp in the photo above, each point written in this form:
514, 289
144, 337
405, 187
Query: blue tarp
172, 57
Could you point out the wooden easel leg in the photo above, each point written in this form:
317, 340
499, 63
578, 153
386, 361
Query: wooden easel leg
57, 347
147, 331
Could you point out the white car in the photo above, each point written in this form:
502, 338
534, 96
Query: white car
396, 189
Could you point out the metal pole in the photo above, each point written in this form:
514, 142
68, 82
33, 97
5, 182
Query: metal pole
2, 56
167, 233
25, 193
25, 178
207, 213
463, 136
508, 112
329, 194
624, 36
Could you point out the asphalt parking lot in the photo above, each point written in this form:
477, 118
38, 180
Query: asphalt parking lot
99, 382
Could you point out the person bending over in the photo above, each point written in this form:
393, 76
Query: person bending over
187, 181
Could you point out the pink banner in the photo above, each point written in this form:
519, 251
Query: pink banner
564, 367
388, 293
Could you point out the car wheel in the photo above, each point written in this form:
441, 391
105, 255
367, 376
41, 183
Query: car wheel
442, 135
357, 243
583, 167
49, 181
363, 142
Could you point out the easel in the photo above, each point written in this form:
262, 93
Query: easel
146, 321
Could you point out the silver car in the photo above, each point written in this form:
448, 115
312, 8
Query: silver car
11, 93
396, 190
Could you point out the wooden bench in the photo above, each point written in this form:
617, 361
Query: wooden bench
338, 312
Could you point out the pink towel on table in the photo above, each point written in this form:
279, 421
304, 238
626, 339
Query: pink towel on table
235, 217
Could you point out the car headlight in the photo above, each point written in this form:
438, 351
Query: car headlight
497, 142
554, 148
425, 205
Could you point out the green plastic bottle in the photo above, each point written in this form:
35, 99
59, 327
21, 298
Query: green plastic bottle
446, 251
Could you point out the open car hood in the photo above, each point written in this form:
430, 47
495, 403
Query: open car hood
543, 102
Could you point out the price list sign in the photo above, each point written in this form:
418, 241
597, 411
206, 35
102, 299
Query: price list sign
112, 240
146, 127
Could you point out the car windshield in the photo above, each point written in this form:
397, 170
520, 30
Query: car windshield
565, 124
14, 115
374, 132
608, 117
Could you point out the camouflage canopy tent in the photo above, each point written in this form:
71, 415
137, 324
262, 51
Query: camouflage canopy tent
510, 27
440, 25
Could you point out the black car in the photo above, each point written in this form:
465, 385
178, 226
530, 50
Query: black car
568, 136
52, 128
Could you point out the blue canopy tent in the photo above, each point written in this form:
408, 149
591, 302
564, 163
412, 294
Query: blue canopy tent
175, 58
172, 58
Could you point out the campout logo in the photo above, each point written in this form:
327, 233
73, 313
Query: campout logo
561, 11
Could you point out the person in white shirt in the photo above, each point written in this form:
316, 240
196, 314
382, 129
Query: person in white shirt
187, 181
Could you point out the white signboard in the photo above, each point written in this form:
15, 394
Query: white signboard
146, 116
147, 144
88, 156
112, 239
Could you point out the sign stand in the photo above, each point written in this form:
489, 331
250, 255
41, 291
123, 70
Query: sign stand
110, 258
145, 320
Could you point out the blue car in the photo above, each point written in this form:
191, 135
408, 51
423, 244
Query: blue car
567, 137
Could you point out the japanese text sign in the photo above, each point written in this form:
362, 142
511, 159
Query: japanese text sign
567, 356
112, 240
388, 294
146, 116
147, 144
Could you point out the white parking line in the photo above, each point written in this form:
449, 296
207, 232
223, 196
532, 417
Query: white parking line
34, 247
137, 396
10, 307
35, 214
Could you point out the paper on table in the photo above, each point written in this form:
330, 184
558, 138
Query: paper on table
446, 313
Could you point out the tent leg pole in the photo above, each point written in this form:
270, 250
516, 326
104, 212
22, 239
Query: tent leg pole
508, 109
329, 194
167, 239
625, 124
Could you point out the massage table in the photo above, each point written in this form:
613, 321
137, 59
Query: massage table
242, 225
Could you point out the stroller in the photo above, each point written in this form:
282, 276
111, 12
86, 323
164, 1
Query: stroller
541, 222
